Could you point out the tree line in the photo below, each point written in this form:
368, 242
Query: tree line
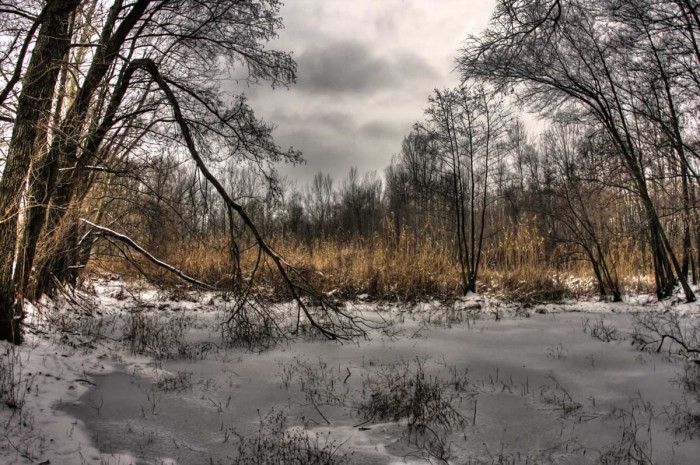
618, 80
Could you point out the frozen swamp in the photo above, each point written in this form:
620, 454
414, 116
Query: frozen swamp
476, 381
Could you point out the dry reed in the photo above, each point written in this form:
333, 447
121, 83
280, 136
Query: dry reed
520, 264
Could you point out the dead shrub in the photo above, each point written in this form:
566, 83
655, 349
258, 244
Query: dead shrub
14, 382
159, 336
275, 443
600, 330
397, 265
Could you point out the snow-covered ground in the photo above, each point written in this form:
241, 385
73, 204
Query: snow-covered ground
476, 381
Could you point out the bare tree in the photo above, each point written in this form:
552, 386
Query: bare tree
467, 125
582, 201
84, 118
360, 202
320, 197
29, 136
555, 58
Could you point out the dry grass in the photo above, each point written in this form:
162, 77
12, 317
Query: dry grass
399, 266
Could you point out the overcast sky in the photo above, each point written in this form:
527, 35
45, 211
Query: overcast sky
365, 70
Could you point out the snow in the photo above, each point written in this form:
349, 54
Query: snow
52, 374
89, 400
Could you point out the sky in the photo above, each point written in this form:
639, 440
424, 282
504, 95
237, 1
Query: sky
365, 71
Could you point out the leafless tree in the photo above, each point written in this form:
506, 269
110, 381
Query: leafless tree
320, 201
467, 125
557, 59
582, 201
107, 86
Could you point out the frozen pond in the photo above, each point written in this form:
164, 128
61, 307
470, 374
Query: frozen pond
526, 390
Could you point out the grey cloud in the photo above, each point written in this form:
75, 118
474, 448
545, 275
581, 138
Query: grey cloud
334, 152
364, 74
329, 155
415, 67
381, 130
341, 67
352, 67
330, 120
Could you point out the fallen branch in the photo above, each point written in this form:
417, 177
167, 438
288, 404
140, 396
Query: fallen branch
131, 243
654, 330
688, 350
24, 454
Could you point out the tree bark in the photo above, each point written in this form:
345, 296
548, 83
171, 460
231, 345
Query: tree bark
29, 132
74, 150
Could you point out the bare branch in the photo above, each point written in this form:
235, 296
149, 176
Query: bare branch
127, 240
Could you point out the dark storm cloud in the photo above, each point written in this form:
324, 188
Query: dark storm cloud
337, 126
330, 150
352, 67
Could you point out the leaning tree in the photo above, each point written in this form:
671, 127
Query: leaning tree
90, 86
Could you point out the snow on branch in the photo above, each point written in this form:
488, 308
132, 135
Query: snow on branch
131, 243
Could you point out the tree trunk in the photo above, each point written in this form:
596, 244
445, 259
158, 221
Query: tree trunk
28, 134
